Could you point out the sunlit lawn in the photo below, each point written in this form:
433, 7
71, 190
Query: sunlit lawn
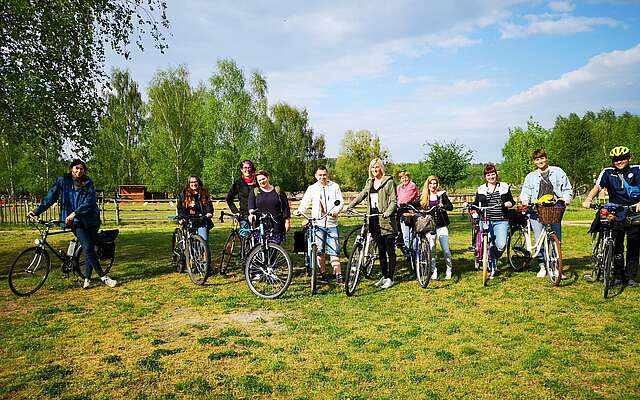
158, 336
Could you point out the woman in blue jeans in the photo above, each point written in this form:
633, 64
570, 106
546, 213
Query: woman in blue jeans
496, 194
79, 210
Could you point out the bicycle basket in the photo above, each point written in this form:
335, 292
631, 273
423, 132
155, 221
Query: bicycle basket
106, 243
300, 241
424, 224
550, 214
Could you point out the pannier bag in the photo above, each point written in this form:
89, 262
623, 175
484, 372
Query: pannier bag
106, 243
424, 224
300, 241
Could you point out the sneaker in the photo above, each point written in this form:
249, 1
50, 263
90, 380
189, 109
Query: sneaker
434, 274
386, 284
87, 284
632, 283
542, 273
323, 278
380, 282
339, 279
492, 274
108, 281
618, 282
447, 275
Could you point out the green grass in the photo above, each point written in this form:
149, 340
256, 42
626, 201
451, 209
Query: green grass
157, 336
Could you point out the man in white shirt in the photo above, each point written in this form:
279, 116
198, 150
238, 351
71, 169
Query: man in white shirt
323, 196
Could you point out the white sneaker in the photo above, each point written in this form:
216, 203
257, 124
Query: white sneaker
434, 274
386, 284
108, 281
380, 282
87, 284
542, 273
447, 275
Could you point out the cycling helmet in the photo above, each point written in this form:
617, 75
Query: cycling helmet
620, 152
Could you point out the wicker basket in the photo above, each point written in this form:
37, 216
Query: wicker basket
550, 214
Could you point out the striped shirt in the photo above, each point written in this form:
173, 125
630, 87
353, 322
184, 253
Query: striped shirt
493, 198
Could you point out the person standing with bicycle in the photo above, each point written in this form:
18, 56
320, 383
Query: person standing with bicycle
544, 180
433, 196
407, 193
380, 192
622, 182
76, 195
240, 190
269, 199
195, 201
323, 196
497, 196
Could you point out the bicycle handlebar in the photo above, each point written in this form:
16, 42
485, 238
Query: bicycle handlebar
360, 214
234, 216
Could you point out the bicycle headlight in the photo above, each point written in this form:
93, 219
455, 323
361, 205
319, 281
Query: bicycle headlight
37, 242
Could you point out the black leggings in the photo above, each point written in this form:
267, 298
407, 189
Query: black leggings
387, 248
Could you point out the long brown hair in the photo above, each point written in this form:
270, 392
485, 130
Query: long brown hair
203, 192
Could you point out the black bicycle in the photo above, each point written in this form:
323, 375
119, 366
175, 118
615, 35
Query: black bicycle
420, 251
350, 240
268, 269
189, 250
362, 257
238, 244
31, 268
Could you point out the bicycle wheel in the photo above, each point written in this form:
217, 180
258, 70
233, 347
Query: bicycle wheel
198, 259
79, 262
248, 243
29, 271
349, 241
553, 261
477, 253
607, 259
371, 259
423, 263
485, 260
227, 252
517, 253
353, 269
313, 263
177, 250
268, 271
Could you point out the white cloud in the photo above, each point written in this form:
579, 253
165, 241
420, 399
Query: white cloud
551, 24
561, 6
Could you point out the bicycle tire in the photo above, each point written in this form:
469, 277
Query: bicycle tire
371, 259
477, 251
313, 262
28, 273
553, 261
248, 242
198, 269
349, 241
266, 269
517, 253
423, 263
485, 260
79, 262
177, 251
608, 260
353, 270
227, 252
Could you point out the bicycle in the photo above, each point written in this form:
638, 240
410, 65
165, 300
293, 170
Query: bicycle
268, 269
483, 254
189, 250
238, 235
31, 268
520, 250
350, 240
420, 250
603, 243
361, 258
311, 256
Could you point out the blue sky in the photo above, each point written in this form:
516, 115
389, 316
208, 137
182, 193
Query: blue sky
414, 72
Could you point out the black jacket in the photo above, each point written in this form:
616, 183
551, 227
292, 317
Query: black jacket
200, 207
241, 190
439, 213
505, 195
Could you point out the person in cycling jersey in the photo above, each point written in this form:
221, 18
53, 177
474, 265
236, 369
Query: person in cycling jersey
195, 201
497, 195
322, 196
622, 182
75, 193
544, 180
240, 190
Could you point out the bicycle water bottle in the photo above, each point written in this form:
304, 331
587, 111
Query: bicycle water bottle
73, 243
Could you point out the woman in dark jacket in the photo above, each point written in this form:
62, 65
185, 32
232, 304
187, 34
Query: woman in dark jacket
433, 196
79, 211
195, 201
269, 199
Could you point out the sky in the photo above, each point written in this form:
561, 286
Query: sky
415, 72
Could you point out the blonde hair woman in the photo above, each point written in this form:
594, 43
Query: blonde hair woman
433, 196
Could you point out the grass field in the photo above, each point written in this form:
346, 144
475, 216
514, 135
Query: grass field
157, 336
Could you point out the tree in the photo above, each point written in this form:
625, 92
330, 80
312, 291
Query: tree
52, 61
357, 151
172, 151
518, 149
448, 161
118, 149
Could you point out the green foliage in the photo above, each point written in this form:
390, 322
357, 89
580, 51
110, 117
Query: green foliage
449, 162
517, 151
357, 151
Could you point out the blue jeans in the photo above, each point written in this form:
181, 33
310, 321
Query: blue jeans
406, 234
204, 232
537, 229
87, 237
499, 232
327, 238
